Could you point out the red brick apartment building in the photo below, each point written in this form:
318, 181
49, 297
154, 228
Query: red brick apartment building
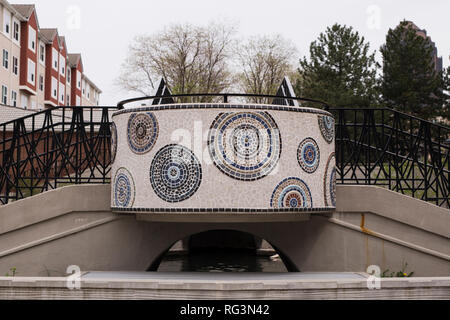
37, 69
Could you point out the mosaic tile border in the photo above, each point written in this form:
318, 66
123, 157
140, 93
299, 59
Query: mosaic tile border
222, 210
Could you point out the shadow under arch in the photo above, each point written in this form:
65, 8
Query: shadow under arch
247, 245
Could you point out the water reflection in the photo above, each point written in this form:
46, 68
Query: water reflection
221, 260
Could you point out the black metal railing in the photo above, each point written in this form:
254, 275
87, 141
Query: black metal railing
394, 150
54, 148
383, 147
225, 98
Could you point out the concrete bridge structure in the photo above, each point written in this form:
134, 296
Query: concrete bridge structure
44, 234
268, 171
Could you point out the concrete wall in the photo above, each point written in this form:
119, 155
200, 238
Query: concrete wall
43, 235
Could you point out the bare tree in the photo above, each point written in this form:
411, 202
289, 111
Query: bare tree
190, 59
263, 62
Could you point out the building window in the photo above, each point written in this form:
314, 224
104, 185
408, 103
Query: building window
54, 88
24, 101
61, 92
5, 58
69, 75
14, 98
31, 39
55, 58
41, 82
16, 31
31, 72
78, 79
6, 21
4, 94
62, 65
42, 53
15, 66
68, 100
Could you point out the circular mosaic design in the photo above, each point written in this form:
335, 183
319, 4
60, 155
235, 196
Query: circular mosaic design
124, 189
291, 193
308, 155
329, 183
113, 142
142, 132
326, 124
245, 145
175, 173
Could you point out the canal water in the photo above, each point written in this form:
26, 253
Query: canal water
221, 260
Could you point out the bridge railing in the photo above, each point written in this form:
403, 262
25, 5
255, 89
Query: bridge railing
394, 150
54, 148
64, 145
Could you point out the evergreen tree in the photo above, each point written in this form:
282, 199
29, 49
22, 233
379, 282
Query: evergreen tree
410, 82
446, 110
341, 71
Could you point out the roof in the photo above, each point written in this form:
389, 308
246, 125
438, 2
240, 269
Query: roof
7, 5
62, 41
49, 34
24, 9
74, 58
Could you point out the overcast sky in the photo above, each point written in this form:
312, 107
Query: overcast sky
102, 29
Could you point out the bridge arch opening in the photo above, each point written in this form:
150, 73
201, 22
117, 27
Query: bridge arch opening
222, 250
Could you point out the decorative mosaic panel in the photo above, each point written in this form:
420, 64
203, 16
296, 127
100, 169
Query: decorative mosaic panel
245, 145
175, 173
329, 182
308, 155
253, 149
142, 132
113, 142
326, 125
291, 193
124, 189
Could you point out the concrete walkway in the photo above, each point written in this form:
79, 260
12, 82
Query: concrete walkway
223, 286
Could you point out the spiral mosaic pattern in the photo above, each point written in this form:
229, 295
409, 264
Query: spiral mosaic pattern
329, 182
124, 189
113, 142
142, 132
175, 173
291, 193
308, 155
245, 145
326, 124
